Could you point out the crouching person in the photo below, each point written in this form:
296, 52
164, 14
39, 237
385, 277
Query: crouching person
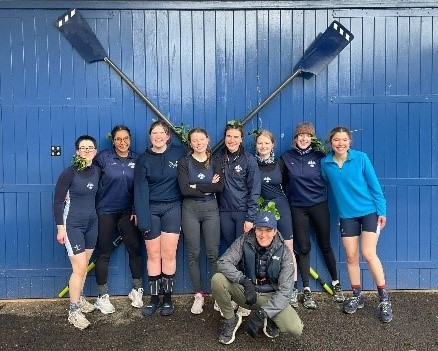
256, 272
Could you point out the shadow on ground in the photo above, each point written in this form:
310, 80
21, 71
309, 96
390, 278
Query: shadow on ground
42, 325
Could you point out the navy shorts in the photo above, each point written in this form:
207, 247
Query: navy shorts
165, 217
355, 226
81, 233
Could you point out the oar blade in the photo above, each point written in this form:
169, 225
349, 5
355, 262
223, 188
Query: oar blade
77, 31
324, 49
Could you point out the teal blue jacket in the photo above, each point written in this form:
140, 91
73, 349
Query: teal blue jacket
355, 186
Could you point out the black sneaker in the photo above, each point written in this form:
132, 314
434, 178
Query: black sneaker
167, 309
270, 329
385, 308
338, 295
308, 301
228, 333
353, 303
150, 308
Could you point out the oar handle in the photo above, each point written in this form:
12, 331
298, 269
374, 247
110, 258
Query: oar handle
140, 94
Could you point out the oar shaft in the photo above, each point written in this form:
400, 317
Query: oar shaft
140, 94
263, 104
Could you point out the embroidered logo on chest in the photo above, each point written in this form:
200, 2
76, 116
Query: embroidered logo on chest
90, 186
311, 163
131, 164
238, 168
173, 164
266, 179
201, 175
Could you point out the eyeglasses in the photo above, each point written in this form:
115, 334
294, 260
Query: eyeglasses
87, 148
119, 140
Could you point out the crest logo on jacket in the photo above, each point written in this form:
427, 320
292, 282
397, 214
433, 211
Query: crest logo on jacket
173, 164
90, 186
238, 168
276, 258
311, 163
266, 179
131, 164
201, 175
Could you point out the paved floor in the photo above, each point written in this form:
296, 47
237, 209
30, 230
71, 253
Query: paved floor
42, 325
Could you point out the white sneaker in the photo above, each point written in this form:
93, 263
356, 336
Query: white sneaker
217, 308
198, 304
243, 312
85, 306
136, 297
78, 319
104, 304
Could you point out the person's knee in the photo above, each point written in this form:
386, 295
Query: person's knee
369, 256
103, 257
294, 328
217, 282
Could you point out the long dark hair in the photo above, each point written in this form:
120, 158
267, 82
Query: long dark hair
119, 128
208, 151
229, 126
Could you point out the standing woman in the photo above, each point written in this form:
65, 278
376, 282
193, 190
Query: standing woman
362, 211
199, 181
157, 201
271, 171
115, 210
238, 201
307, 194
76, 222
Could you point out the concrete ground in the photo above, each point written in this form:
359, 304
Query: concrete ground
42, 325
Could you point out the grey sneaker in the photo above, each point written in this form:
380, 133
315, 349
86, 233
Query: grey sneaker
338, 295
385, 308
353, 303
228, 333
85, 306
136, 297
270, 329
294, 299
78, 319
104, 304
308, 301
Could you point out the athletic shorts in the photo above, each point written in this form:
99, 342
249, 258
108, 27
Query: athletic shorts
81, 234
165, 217
355, 226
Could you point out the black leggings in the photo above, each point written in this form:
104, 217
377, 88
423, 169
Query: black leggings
319, 216
108, 223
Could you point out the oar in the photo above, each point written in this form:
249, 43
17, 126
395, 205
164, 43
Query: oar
319, 54
77, 31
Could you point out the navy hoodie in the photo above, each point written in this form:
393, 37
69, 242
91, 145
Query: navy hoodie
156, 180
116, 186
303, 179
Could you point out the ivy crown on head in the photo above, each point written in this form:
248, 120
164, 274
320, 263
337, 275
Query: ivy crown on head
268, 207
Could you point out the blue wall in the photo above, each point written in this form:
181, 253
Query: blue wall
203, 65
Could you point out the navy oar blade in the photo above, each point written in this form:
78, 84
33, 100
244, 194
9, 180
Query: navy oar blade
77, 31
324, 49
